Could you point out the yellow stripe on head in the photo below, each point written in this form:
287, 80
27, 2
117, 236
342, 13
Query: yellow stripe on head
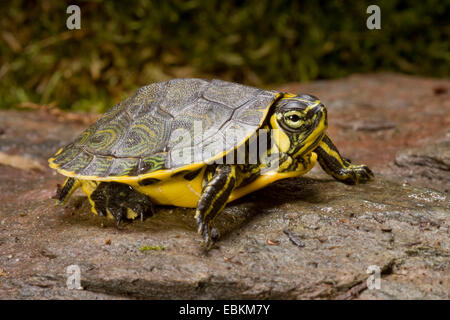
281, 139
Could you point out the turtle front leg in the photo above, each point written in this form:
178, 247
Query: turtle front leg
120, 200
338, 167
213, 199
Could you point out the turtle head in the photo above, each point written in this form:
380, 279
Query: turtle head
302, 120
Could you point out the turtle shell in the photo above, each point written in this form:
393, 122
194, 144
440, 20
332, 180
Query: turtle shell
164, 127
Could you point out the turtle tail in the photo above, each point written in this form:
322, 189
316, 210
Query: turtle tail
63, 193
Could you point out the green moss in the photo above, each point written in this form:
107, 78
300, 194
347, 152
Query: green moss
124, 45
151, 248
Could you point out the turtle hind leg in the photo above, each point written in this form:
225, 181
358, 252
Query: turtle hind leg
338, 167
63, 193
214, 197
120, 201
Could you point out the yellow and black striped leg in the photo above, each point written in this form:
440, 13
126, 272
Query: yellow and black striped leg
118, 199
63, 193
339, 168
214, 197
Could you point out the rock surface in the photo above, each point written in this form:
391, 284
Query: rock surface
309, 237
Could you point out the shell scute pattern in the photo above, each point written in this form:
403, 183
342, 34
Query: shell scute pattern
140, 136
229, 94
66, 155
144, 136
100, 165
123, 166
79, 162
108, 137
181, 95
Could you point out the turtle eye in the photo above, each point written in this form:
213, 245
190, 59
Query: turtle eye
293, 119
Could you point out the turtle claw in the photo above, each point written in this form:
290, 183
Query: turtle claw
139, 210
209, 238
118, 213
209, 233
359, 173
354, 174
214, 235
101, 212
151, 209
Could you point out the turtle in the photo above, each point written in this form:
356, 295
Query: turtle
198, 143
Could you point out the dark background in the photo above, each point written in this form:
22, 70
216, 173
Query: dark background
123, 45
